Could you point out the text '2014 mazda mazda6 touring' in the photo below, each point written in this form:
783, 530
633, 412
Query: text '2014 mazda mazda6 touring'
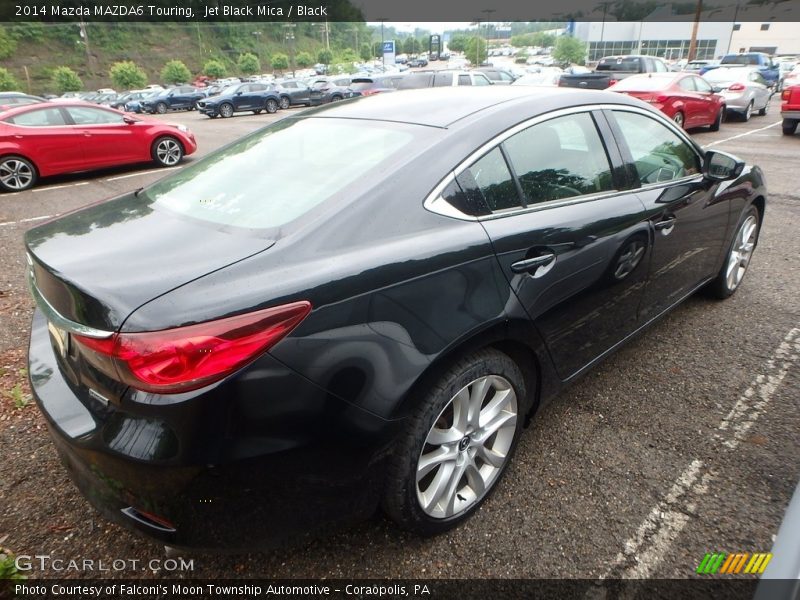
361, 305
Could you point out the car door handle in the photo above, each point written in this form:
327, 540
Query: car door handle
530, 265
665, 224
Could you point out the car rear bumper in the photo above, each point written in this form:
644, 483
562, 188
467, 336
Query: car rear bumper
790, 114
253, 461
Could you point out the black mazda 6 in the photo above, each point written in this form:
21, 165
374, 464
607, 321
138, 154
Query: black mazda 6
361, 306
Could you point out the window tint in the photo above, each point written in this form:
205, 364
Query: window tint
493, 75
84, 115
481, 79
491, 176
658, 153
687, 83
43, 117
258, 87
505, 76
302, 163
560, 158
442, 79
702, 85
464, 80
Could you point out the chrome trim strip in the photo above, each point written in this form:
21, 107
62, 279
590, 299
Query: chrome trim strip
436, 204
56, 319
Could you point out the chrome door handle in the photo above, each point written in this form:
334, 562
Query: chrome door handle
665, 224
532, 264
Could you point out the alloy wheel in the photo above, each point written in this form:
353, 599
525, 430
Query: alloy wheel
678, 118
161, 108
226, 110
285, 103
629, 260
467, 447
168, 152
741, 252
16, 174
748, 111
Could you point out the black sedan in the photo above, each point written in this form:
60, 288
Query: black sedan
244, 97
360, 305
182, 97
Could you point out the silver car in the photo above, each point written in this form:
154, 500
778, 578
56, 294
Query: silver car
743, 88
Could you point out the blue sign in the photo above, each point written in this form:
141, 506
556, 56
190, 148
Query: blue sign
388, 47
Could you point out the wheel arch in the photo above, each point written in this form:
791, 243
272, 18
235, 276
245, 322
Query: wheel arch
10, 152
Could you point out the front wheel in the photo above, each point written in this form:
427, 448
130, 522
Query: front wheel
271, 106
789, 126
16, 174
457, 445
718, 121
285, 102
738, 257
226, 110
167, 151
161, 108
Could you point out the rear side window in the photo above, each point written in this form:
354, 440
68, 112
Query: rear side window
284, 171
85, 115
687, 84
560, 158
442, 79
43, 117
490, 176
464, 80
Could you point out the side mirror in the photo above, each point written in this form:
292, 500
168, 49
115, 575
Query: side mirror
129, 120
716, 89
721, 166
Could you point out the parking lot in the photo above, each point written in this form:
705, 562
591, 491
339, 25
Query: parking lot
682, 443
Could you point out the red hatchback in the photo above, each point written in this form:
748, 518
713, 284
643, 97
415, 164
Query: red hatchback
44, 139
685, 98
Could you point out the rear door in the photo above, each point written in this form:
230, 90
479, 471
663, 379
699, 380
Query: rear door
570, 241
45, 136
688, 223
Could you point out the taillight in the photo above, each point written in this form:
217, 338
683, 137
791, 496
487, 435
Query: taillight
188, 358
785, 94
613, 82
369, 92
736, 87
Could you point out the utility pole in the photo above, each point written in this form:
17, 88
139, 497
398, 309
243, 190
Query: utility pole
693, 42
383, 56
488, 12
290, 38
84, 33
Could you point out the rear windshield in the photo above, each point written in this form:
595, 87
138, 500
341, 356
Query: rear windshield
723, 75
740, 59
644, 84
283, 171
619, 64
361, 84
415, 81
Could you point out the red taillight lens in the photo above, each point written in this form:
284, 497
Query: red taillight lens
370, 92
736, 87
187, 358
785, 94
613, 82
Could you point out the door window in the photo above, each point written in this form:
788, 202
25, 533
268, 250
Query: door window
84, 115
491, 177
43, 117
702, 85
658, 153
481, 79
687, 84
442, 79
464, 80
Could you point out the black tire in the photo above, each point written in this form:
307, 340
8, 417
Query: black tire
747, 112
336, 98
161, 108
225, 110
271, 106
720, 286
718, 121
257, 111
679, 119
17, 173
762, 112
789, 126
285, 103
400, 499
167, 151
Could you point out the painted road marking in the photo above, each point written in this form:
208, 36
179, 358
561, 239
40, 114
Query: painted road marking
649, 545
741, 135
141, 173
27, 220
59, 187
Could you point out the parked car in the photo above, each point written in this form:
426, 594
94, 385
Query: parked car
790, 109
743, 89
250, 97
696, 66
386, 303
763, 63
610, 70
376, 84
333, 89
418, 62
11, 99
122, 99
134, 105
183, 97
443, 78
497, 76
547, 76
792, 77
299, 92
39, 140
686, 98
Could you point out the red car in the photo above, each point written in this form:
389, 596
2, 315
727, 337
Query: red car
685, 98
38, 140
790, 109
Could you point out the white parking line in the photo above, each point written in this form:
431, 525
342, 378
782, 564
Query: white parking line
141, 173
59, 187
645, 550
27, 220
736, 137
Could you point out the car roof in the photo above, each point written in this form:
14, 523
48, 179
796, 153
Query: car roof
57, 103
444, 106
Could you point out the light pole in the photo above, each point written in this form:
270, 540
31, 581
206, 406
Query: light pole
383, 55
257, 35
488, 12
290, 38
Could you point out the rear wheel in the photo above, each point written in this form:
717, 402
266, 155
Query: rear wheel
16, 174
336, 98
738, 257
285, 102
271, 106
167, 151
678, 118
748, 112
161, 108
763, 111
457, 445
226, 110
718, 121
789, 126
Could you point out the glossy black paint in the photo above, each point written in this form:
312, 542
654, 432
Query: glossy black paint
299, 438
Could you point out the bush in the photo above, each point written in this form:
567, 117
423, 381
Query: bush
569, 50
8, 82
304, 60
126, 75
8, 45
65, 79
214, 68
365, 52
280, 62
325, 57
175, 72
248, 63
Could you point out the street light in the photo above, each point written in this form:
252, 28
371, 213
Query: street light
290, 38
383, 55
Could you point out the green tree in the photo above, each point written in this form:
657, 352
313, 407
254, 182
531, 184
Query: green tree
458, 43
65, 79
126, 75
175, 72
365, 52
304, 60
214, 68
8, 82
569, 50
325, 57
280, 62
411, 45
248, 63
545, 40
348, 55
8, 45
475, 50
